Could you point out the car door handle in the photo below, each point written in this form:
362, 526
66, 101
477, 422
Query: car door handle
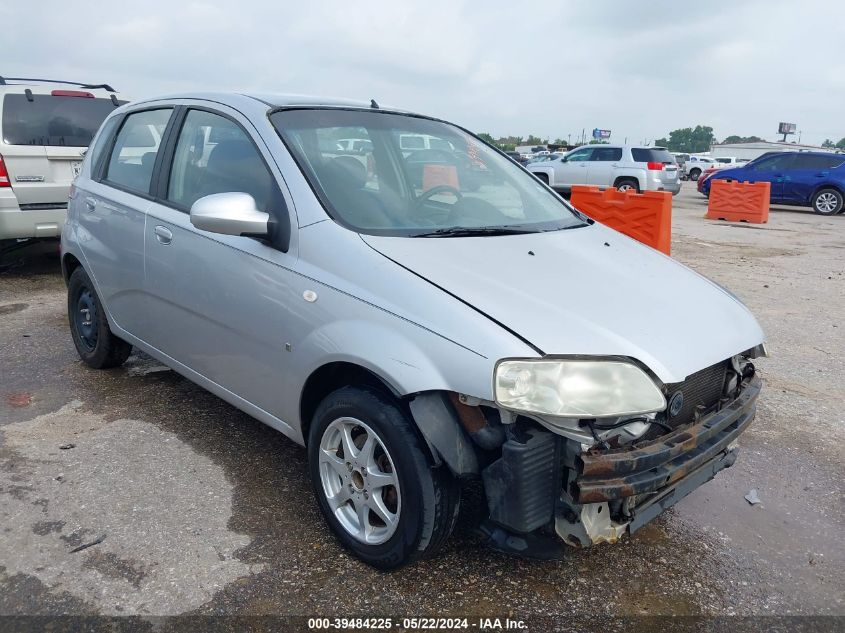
90, 203
823, 174
163, 234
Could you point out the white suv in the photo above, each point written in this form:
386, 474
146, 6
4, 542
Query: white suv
620, 166
44, 132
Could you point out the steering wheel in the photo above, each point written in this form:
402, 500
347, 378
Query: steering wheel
435, 191
473, 210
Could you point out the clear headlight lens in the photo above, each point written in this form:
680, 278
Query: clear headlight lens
576, 388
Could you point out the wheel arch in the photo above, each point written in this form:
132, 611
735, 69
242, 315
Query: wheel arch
828, 185
69, 264
548, 173
431, 413
633, 177
332, 376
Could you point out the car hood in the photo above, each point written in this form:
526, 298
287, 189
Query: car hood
586, 291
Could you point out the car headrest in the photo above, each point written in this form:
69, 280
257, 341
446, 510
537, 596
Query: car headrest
231, 154
148, 159
348, 171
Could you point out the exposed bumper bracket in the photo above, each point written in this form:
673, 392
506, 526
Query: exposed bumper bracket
620, 473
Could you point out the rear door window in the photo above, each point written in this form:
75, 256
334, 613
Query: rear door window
607, 154
50, 120
215, 155
135, 149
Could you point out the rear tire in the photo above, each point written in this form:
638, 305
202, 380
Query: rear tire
625, 184
828, 201
381, 497
89, 327
694, 174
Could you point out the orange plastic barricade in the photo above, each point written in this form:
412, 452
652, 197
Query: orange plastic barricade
739, 201
646, 217
439, 175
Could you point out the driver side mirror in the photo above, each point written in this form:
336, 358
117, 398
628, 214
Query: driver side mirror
232, 213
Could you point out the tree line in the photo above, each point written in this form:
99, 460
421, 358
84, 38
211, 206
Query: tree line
689, 139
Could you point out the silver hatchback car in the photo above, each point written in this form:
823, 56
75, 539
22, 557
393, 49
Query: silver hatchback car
417, 318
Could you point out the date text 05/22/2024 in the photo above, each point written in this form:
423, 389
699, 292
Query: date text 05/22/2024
421, 624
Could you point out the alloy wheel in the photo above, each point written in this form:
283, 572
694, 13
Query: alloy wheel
359, 481
826, 202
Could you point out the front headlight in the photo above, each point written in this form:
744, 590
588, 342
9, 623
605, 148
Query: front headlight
576, 388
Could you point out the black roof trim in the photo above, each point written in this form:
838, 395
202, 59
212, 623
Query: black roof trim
4, 82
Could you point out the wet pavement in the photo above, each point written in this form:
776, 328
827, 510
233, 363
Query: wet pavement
133, 491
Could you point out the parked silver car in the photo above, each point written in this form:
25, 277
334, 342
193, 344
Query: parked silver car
621, 166
413, 328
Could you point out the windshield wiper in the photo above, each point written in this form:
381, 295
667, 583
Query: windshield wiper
471, 231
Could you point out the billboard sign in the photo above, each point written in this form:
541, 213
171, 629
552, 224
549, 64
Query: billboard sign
786, 128
600, 134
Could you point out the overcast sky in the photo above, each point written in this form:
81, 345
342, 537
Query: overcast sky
550, 68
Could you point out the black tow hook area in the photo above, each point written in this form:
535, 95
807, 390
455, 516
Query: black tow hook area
534, 545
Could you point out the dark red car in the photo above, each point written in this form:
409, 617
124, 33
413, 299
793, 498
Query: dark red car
703, 178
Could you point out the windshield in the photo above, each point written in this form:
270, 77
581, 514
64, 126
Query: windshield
416, 177
53, 120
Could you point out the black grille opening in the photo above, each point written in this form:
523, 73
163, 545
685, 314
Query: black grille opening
701, 388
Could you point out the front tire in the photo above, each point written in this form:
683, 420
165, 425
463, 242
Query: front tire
89, 327
374, 482
827, 202
694, 174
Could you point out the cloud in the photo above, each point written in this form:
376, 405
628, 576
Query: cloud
543, 68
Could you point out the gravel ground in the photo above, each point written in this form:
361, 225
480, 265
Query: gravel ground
195, 508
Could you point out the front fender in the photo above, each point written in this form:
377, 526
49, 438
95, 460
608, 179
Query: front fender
406, 358
548, 171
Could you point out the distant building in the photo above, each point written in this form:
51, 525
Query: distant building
751, 151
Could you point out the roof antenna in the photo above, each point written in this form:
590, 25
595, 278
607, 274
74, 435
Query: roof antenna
373, 104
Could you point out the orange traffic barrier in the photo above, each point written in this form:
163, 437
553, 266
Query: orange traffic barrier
739, 201
646, 217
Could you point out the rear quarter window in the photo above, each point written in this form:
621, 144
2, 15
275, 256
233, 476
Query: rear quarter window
96, 151
52, 121
651, 155
817, 162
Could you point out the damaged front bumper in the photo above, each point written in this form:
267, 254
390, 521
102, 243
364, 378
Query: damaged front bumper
620, 490
597, 496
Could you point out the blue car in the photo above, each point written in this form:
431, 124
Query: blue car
809, 179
